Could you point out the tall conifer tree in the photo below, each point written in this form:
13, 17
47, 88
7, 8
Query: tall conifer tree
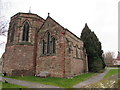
93, 49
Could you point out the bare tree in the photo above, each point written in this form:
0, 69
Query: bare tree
3, 26
109, 57
4, 7
3, 22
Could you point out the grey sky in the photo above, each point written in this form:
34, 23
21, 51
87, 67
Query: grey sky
101, 16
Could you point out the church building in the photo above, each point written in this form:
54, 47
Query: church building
36, 45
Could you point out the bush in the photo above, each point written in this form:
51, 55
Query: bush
96, 65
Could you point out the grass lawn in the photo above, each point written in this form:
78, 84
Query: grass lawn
61, 82
112, 72
8, 85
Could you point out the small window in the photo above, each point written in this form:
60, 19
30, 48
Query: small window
76, 53
43, 47
25, 36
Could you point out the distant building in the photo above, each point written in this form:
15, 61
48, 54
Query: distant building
117, 60
36, 45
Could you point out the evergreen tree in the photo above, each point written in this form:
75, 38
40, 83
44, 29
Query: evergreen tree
93, 49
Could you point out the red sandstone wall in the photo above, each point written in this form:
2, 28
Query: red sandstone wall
64, 63
19, 55
74, 60
35, 23
52, 63
77, 67
18, 58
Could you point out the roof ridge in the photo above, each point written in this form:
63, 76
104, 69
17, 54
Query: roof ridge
26, 13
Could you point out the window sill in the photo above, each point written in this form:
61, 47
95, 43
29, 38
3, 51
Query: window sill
47, 55
24, 43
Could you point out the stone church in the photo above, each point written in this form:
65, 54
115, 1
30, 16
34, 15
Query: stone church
36, 45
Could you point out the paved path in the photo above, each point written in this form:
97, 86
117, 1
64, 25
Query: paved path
91, 80
27, 83
112, 68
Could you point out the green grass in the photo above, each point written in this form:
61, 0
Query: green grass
61, 82
0, 74
8, 85
113, 67
112, 72
111, 82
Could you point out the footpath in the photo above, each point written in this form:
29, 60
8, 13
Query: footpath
28, 84
91, 80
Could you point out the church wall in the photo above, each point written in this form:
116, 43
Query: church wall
52, 63
19, 20
69, 59
19, 57
27, 57
73, 55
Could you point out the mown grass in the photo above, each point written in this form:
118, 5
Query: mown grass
60, 82
112, 72
8, 85
113, 67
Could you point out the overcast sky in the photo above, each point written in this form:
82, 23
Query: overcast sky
100, 15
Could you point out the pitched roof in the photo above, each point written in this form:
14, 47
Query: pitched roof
20, 13
59, 25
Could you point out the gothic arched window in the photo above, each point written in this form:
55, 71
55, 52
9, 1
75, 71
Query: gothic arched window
48, 43
25, 35
53, 45
43, 47
76, 52
12, 33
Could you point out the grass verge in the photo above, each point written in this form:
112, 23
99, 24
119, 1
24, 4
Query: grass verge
8, 85
61, 82
112, 72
